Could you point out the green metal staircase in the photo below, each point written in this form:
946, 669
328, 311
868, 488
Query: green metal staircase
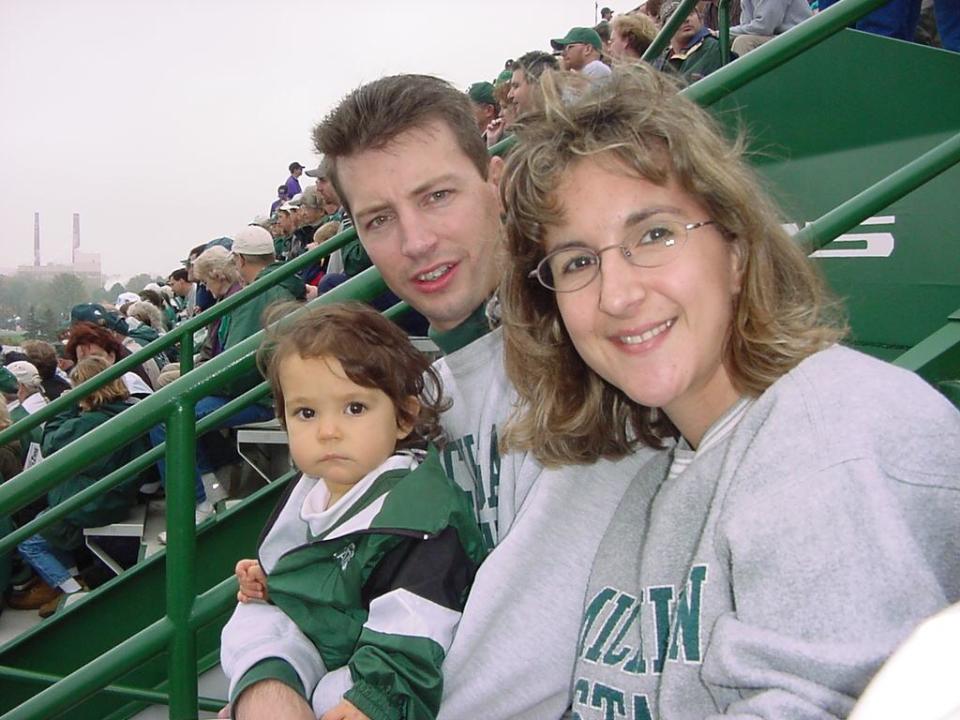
871, 123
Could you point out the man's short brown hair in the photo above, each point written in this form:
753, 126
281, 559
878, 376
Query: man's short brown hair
373, 115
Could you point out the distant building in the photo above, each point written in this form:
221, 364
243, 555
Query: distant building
86, 265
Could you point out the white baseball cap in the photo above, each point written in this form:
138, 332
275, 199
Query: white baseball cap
252, 240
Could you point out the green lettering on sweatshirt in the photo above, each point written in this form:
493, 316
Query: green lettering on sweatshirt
590, 615
461, 466
661, 597
609, 701
641, 708
581, 691
494, 491
615, 653
686, 626
622, 604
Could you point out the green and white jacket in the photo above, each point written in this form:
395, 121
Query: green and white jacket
364, 597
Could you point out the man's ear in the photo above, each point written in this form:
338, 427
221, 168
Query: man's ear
410, 408
495, 171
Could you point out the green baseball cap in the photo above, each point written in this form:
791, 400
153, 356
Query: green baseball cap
88, 312
8, 382
505, 76
585, 35
482, 92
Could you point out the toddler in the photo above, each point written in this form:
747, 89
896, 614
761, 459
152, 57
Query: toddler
363, 570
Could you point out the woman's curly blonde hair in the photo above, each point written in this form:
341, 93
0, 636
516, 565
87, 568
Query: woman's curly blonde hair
638, 123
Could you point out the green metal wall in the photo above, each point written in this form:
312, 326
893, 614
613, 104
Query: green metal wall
838, 118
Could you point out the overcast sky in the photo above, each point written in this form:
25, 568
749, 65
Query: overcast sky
166, 123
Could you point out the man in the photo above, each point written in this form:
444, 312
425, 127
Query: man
582, 48
281, 198
293, 183
693, 51
184, 293
325, 191
606, 14
412, 171
485, 107
350, 259
762, 20
525, 82
286, 224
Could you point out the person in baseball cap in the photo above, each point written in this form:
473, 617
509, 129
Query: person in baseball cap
485, 107
253, 240
26, 374
582, 49
8, 383
293, 184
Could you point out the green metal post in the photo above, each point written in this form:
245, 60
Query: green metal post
723, 20
186, 353
668, 30
181, 558
880, 195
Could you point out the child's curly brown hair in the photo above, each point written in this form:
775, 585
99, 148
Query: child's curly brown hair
373, 352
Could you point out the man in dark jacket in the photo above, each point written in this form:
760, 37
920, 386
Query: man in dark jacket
693, 51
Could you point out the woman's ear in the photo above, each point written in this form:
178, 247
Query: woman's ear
409, 408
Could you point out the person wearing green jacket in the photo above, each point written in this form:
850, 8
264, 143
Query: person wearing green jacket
694, 52
366, 564
50, 553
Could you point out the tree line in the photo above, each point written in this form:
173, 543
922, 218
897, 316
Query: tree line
40, 307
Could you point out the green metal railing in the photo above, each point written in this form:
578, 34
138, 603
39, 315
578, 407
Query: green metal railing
187, 611
183, 334
766, 57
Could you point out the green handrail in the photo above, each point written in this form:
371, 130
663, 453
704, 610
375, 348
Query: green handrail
138, 419
151, 696
181, 332
854, 211
114, 478
771, 55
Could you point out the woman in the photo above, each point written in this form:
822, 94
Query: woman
632, 35
801, 516
50, 553
87, 339
214, 268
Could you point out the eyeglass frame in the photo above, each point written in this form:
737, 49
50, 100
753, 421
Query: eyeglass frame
535, 273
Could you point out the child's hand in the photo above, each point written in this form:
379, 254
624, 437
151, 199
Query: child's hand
344, 710
253, 582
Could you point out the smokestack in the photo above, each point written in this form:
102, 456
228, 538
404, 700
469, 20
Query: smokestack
76, 237
36, 239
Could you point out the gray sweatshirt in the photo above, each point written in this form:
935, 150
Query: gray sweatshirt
513, 653
774, 575
770, 17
